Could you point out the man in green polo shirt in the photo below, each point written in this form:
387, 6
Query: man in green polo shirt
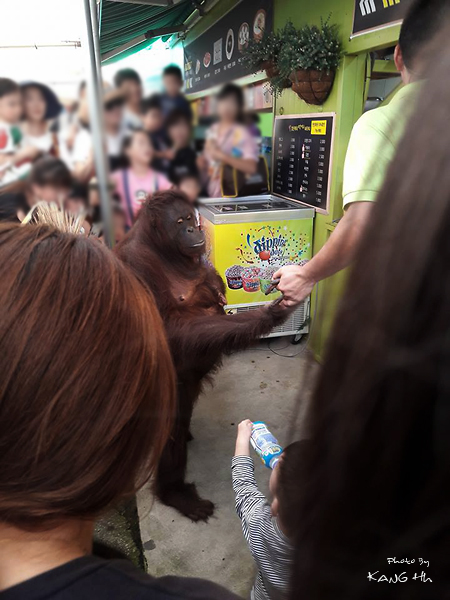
372, 147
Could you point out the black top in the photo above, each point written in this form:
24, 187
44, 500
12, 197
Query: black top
185, 162
94, 578
169, 104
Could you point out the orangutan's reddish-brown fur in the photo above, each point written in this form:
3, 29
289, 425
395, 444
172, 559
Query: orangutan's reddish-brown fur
190, 298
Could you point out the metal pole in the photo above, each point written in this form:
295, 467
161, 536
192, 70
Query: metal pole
91, 44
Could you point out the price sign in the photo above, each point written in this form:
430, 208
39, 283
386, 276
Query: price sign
302, 151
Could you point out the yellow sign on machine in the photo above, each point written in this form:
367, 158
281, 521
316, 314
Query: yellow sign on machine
246, 255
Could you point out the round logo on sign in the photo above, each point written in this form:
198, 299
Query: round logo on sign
259, 24
229, 44
243, 36
207, 59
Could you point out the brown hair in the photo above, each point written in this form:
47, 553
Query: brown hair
377, 481
290, 482
50, 171
87, 388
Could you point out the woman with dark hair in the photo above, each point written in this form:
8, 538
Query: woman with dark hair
40, 105
86, 405
229, 142
374, 506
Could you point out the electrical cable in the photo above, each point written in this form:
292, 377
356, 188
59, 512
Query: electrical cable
306, 345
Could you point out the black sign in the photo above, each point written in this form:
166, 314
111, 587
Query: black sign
216, 56
302, 148
375, 14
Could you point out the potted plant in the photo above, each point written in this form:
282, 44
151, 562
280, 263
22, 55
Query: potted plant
309, 57
263, 54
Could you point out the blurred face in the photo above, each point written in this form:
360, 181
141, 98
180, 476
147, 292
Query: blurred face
172, 85
113, 115
48, 193
74, 206
133, 92
34, 104
11, 107
228, 109
153, 120
180, 134
140, 150
191, 187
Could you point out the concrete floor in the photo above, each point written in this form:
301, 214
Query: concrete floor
256, 384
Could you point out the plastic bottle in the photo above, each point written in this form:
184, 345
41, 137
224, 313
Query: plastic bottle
265, 444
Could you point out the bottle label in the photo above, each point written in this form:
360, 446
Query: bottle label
265, 444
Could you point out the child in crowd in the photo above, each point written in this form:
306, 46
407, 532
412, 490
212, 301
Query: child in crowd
77, 201
135, 183
153, 124
268, 528
172, 98
129, 82
48, 181
189, 183
14, 160
40, 106
183, 156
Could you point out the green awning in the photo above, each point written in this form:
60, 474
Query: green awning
123, 22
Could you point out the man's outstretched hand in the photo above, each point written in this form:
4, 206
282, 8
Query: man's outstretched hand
294, 284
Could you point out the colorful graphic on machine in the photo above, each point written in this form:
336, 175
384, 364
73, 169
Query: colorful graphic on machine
220, 49
375, 14
262, 252
302, 150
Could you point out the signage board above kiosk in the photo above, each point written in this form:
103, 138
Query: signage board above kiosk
216, 56
370, 15
302, 158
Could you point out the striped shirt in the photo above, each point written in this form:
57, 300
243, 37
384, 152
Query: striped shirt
270, 548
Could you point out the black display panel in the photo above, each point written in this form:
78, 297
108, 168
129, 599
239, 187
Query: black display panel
215, 57
375, 14
302, 153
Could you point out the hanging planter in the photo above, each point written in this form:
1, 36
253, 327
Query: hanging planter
312, 86
309, 57
273, 75
262, 55
270, 68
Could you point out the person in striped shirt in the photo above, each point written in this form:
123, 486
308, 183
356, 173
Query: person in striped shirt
268, 527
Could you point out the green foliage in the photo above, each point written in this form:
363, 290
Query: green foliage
264, 54
310, 47
259, 52
290, 49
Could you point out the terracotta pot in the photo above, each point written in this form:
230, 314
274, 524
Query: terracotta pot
313, 87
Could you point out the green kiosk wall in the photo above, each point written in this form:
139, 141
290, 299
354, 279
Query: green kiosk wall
346, 100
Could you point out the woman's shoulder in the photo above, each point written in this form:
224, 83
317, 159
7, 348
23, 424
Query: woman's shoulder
138, 585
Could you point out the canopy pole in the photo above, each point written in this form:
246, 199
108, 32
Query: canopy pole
91, 44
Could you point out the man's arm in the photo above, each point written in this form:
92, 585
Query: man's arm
296, 283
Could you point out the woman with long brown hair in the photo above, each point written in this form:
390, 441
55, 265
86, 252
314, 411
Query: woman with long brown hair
86, 405
374, 507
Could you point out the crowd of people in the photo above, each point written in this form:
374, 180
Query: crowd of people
46, 150
84, 419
